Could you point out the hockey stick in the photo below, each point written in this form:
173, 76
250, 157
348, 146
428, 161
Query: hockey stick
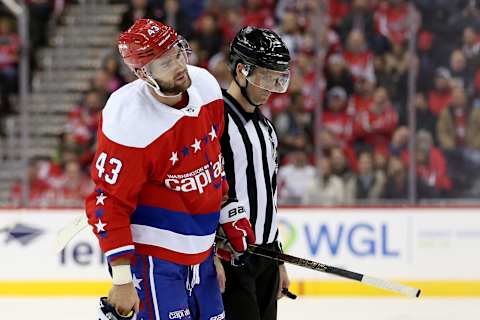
68, 232
317, 266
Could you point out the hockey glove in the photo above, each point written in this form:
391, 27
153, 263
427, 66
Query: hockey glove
108, 312
235, 225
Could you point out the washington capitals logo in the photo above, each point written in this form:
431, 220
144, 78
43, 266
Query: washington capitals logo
22, 233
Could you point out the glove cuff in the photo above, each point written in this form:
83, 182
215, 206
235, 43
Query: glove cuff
231, 211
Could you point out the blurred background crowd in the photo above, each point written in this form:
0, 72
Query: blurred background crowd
362, 70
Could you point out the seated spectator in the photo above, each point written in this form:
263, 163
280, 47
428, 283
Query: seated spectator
112, 67
425, 118
363, 95
337, 74
367, 185
104, 81
74, 186
289, 30
324, 187
172, 15
342, 165
359, 17
392, 21
396, 187
462, 75
218, 66
441, 95
209, 37
432, 177
137, 9
9, 55
471, 47
335, 117
257, 13
397, 62
458, 125
375, 125
358, 56
83, 119
399, 142
293, 177
293, 127
40, 193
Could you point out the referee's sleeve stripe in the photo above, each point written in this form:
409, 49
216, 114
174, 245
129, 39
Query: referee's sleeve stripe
229, 160
250, 174
268, 186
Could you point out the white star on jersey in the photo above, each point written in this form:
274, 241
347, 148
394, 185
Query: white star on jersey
174, 158
196, 145
101, 198
136, 282
100, 226
213, 134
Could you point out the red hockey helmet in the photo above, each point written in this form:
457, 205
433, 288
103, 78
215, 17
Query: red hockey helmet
145, 41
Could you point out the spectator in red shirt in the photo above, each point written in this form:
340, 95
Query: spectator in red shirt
74, 186
359, 58
83, 119
335, 117
362, 99
40, 191
257, 15
441, 95
391, 18
432, 176
376, 124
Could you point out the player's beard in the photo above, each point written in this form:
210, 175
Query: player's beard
172, 88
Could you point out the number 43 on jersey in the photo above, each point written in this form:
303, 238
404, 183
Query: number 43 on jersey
112, 176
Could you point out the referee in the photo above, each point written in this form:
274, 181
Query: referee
259, 62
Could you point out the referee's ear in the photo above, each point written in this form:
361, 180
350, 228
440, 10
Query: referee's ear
241, 73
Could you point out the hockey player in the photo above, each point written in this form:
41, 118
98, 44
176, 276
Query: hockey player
259, 62
160, 182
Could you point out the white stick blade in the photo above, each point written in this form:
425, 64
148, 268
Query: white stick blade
68, 232
392, 286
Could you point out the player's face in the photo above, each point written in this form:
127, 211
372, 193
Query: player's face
170, 72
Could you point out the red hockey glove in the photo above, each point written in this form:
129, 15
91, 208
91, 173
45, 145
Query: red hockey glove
235, 225
239, 233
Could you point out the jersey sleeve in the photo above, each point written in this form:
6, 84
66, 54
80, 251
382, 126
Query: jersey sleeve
118, 173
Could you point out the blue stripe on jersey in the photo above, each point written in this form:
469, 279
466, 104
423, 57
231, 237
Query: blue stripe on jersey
117, 254
176, 221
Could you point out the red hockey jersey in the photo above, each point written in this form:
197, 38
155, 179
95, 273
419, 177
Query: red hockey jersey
159, 173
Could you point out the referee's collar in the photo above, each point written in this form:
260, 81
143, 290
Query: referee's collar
231, 102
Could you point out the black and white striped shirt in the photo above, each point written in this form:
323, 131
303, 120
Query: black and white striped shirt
249, 146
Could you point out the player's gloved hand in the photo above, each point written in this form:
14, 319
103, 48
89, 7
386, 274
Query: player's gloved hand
236, 226
239, 234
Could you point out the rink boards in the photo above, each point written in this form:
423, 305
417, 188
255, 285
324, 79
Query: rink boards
435, 249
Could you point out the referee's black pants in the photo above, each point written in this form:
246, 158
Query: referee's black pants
251, 289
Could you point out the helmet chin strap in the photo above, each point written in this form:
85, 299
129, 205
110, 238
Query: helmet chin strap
243, 91
152, 83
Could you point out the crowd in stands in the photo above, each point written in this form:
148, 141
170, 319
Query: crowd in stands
344, 123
